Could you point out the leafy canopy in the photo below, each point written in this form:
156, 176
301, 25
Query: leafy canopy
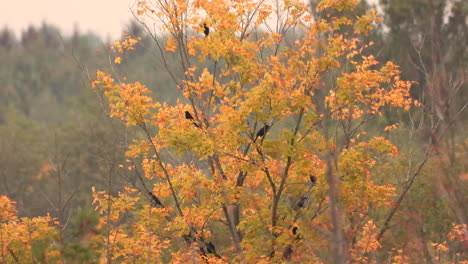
304, 78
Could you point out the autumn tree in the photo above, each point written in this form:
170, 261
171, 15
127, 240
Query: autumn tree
26, 240
263, 159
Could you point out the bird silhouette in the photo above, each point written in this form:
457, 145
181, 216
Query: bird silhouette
301, 203
313, 179
287, 252
210, 248
262, 132
189, 116
206, 30
294, 230
156, 201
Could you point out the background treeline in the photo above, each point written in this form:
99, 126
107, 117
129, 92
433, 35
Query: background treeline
54, 129
56, 140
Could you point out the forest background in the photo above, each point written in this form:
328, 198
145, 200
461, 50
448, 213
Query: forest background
57, 140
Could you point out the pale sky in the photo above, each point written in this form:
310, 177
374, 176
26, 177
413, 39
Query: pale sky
106, 18
103, 17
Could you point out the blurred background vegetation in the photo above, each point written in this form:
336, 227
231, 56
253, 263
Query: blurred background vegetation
56, 140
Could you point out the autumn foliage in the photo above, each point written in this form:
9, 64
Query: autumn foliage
25, 240
210, 188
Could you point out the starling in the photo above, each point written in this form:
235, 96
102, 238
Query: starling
294, 230
261, 133
301, 203
156, 201
206, 30
210, 248
313, 179
189, 116
287, 252
188, 238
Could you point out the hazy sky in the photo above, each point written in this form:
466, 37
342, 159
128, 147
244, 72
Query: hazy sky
104, 17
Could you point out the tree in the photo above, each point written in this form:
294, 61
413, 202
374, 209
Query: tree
220, 187
220, 182
427, 38
7, 38
26, 240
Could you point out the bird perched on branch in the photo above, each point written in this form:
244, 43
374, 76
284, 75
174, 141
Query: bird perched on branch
156, 201
190, 117
206, 30
300, 203
210, 248
262, 132
313, 179
294, 230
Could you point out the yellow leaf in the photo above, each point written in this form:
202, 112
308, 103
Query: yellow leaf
171, 45
191, 51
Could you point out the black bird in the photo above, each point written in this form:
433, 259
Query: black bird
313, 179
189, 116
261, 133
210, 248
294, 230
301, 203
206, 30
188, 238
287, 252
156, 201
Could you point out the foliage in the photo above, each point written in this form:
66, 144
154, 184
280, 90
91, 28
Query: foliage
24, 239
279, 195
295, 148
